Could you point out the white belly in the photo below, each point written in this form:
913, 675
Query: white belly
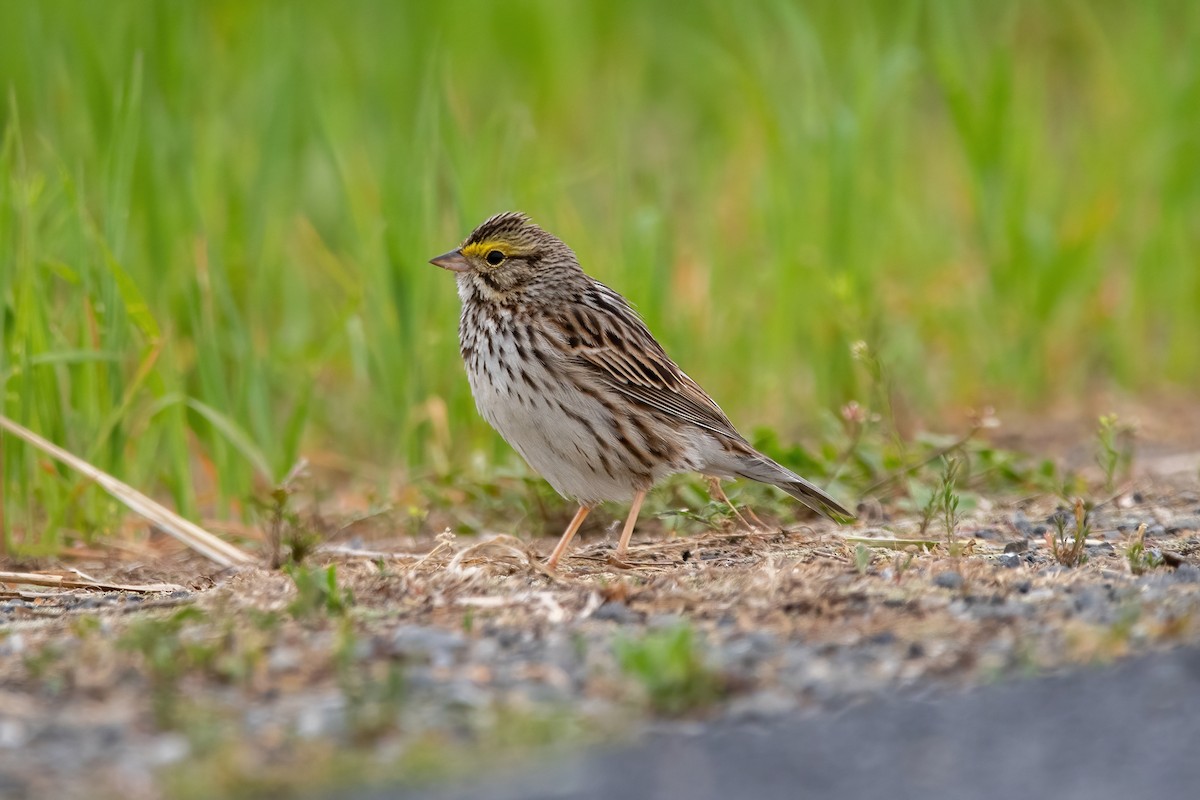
571, 438
557, 445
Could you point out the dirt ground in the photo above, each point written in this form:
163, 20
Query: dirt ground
424, 659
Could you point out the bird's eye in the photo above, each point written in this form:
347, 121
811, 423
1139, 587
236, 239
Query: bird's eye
494, 257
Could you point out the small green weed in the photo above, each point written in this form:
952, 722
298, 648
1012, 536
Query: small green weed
166, 657
670, 671
1140, 559
688, 506
862, 558
1114, 453
1068, 545
902, 562
317, 592
264, 621
1116, 638
41, 666
187, 644
290, 540
158, 641
85, 625
942, 501
946, 497
375, 692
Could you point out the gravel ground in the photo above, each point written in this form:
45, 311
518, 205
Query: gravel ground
459, 655
1091, 734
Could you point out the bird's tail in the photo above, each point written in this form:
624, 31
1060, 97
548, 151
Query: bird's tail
764, 470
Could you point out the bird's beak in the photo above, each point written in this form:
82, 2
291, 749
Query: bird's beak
454, 261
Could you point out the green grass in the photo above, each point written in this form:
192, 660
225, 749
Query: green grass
670, 671
317, 592
215, 217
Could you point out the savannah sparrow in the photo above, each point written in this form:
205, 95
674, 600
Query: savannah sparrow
565, 370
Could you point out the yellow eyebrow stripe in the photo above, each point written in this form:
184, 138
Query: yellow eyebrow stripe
479, 249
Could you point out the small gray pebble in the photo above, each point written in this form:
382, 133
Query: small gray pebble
13, 644
761, 705
745, 653
510, 638
540, 693
1092, 601
13, 734
615, 612
284, 659
485, 650
165, 749
1021, 523
465, 694
440, 647
322, 716
665, 621
1187, 573
1009, 560
948, 580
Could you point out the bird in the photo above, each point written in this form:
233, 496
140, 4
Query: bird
569, 375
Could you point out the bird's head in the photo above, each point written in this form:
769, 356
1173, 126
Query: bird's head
507, 253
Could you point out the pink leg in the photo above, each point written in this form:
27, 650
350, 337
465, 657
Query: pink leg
567, 536
630, 521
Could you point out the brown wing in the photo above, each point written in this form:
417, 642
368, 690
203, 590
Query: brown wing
608, 339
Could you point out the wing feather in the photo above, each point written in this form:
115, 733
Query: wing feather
608, 340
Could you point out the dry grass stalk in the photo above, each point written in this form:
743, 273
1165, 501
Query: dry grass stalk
188, 532
68, 582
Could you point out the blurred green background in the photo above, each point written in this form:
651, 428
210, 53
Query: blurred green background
215, 216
